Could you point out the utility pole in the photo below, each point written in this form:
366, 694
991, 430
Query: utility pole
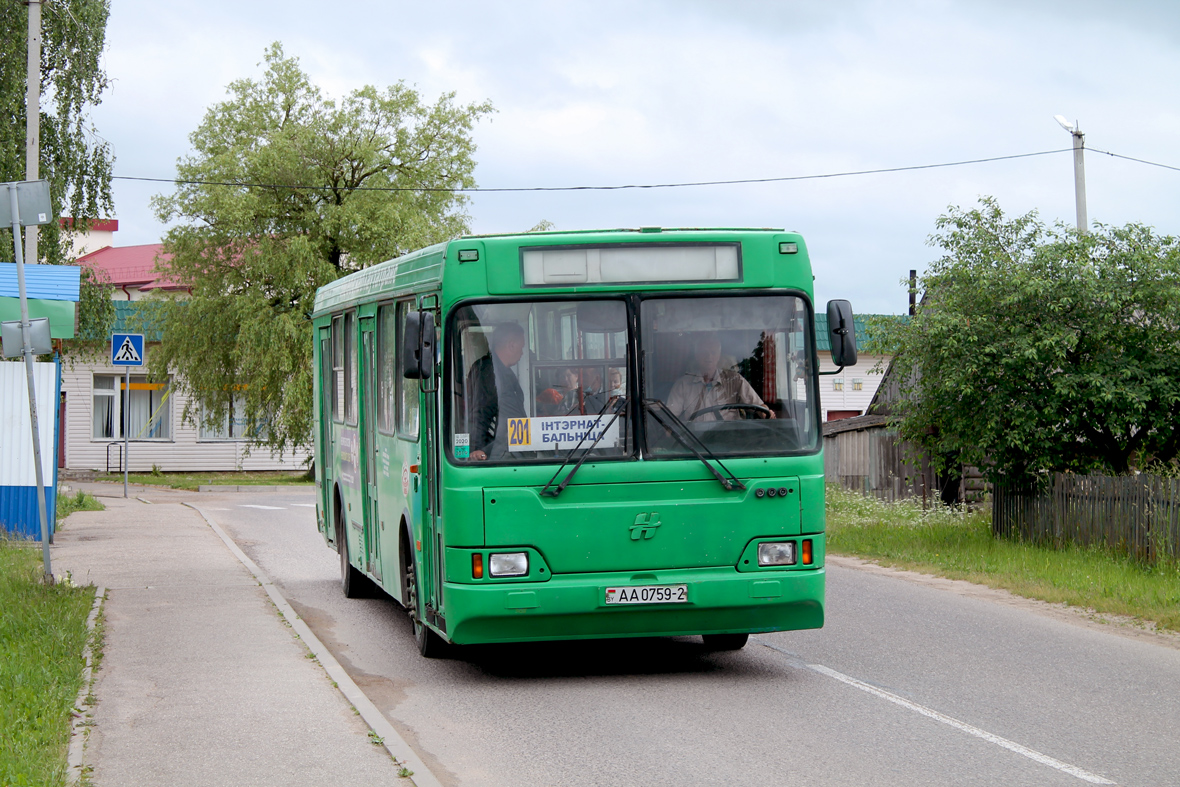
33, 117
1079, 170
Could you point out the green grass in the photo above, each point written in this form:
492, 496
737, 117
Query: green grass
960, 545
42, 633
67, 505
191, 481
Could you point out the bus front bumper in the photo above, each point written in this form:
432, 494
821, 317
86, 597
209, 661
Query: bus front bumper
720, 601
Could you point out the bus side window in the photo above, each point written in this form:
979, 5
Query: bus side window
350, 369
387, 376
337, 369
407, 390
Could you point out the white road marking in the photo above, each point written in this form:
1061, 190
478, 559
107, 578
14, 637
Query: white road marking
263, 508
304, 505
1011, 746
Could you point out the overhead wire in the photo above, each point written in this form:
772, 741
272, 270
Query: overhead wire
629, 186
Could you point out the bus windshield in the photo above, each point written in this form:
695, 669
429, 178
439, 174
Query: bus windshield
532, 380
734, 370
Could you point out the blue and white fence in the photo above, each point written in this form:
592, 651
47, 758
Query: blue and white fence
18, 475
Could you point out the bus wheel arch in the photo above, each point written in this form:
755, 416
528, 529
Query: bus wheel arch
429, 643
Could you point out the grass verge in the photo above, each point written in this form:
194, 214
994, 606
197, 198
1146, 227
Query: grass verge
42, 633
191, 481
960, 545
82, 501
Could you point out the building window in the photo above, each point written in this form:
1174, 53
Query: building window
145, 410
231, 426
858, 384
837, 384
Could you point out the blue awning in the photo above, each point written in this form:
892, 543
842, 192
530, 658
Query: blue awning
42, 282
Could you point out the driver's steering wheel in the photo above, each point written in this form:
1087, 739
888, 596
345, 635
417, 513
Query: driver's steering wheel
763, 412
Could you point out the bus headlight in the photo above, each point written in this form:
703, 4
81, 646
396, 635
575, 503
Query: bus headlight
508, 564
776, 553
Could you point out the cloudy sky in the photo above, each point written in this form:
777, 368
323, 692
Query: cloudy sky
604, 93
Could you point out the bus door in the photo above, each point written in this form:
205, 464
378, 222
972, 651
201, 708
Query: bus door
327, 450
426, 504
368, 448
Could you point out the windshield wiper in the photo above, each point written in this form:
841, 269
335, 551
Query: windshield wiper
655, 406
620, 404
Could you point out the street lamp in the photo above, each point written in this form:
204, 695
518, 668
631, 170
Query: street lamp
1079, 170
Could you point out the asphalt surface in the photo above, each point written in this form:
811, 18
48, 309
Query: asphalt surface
905, 685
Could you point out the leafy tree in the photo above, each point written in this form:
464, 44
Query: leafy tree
287, 190
1042, 349
75, 161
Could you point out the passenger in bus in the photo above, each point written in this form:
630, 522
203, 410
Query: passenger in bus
708, 386
562, 398
496, 392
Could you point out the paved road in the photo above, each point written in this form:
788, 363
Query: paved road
906, 685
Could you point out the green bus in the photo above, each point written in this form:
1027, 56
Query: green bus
563, 435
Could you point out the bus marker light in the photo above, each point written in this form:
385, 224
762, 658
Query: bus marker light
468, 255
477, 566
508, 564
788, 248
776, 553
807, 551
419, 545
413, 468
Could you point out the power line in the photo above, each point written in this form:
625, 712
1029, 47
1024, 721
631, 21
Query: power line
1130, 158
784, 179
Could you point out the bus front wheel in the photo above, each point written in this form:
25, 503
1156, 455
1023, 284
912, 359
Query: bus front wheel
430, 645
725, 641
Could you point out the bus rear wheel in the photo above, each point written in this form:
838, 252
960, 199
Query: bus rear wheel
725, 641
430, 645
352, 581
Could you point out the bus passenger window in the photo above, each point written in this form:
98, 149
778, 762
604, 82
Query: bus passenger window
407, 390
337, 369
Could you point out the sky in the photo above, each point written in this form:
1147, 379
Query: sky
641, 92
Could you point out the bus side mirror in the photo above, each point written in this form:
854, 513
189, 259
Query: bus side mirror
841, 333
418, 346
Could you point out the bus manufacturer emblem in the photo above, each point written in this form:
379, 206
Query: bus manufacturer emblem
645, 526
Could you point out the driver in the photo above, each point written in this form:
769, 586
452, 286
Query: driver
709, 386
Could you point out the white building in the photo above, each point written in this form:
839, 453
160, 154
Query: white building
848, 393
93, 398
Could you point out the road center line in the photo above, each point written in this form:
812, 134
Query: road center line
264, 508
1011, 746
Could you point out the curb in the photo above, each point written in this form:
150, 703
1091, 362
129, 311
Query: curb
81, 725
422, 776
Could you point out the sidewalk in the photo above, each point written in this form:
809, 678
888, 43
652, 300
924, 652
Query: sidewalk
201, 682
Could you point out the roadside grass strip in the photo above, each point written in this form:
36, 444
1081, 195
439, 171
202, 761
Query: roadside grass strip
191, 482
42, 636
68, 504
960, 545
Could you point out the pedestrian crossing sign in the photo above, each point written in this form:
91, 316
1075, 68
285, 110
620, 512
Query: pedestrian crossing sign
127, 349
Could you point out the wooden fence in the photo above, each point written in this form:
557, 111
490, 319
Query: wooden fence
864, 455
1139, 514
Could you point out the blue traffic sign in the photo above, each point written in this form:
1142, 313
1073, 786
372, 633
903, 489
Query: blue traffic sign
127, 349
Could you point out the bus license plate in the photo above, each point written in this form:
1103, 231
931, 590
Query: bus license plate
648, 594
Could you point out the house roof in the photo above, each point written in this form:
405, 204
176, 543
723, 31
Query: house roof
131, 266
